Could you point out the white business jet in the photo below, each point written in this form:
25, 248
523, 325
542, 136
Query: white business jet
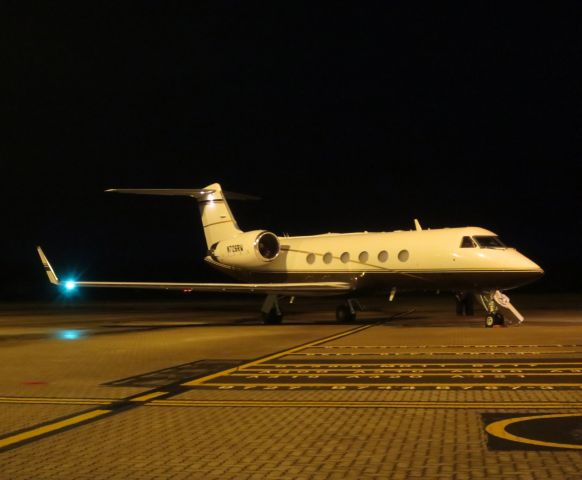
462, 260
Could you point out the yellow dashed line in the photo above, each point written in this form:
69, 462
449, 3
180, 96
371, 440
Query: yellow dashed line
414, 365
448, 346
419, 370
413, 374
408, 354
411, 385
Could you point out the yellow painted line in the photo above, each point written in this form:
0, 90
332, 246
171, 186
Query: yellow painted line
145, 398
106, 400
251, 403
498, 429
54, 400
413, 365
424, 347
378, 371
378, 384
403, 354
204, 379
419, 374
35, 432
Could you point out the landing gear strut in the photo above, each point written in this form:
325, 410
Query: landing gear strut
346, 313
270, 311
464, 303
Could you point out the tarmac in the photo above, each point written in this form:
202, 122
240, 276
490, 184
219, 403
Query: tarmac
200, 389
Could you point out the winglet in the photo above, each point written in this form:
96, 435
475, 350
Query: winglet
52, 276
417, 224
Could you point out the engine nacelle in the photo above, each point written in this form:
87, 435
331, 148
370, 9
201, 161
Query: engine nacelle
250, 249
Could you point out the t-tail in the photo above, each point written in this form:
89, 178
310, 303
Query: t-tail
217, 219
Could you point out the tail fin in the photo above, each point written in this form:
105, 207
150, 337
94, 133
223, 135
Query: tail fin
217, 219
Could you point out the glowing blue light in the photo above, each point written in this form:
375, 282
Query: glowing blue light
70, 334
70, 285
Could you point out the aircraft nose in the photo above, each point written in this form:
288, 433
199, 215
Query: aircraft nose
532, 267
529, 270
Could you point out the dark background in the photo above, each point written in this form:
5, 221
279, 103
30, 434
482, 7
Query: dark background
341, 116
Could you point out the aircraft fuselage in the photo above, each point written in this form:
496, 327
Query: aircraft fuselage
378, 262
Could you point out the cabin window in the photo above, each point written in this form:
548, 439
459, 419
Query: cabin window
467, 242
310, 258
345, 257
489, 241
363, 257
327, 258
383, 256
403, 255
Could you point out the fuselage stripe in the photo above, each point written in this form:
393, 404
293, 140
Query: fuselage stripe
217, 223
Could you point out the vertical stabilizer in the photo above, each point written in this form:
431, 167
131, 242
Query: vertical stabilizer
217, 219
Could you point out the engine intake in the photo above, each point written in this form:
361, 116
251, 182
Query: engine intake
267, 246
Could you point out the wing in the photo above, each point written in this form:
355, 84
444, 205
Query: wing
287, 289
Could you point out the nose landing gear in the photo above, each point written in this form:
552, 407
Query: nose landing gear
492, 301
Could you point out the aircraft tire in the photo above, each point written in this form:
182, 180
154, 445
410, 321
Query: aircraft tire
272, 318
489, 320
344, 315
469, 304
499, 319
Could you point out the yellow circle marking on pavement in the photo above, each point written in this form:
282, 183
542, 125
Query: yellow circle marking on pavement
498, 429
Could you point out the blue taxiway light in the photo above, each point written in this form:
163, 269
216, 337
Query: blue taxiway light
70, 285
70, 334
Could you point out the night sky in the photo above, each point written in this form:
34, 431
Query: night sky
340, 116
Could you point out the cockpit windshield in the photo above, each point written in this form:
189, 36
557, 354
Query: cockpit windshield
486, 241
467, 242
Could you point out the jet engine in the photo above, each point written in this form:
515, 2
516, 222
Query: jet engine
250, 249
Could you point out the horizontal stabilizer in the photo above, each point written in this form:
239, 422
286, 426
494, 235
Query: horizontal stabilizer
182, 192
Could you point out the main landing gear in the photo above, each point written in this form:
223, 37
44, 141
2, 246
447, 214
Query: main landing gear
464, 303
492, 301
270, 311
346, 313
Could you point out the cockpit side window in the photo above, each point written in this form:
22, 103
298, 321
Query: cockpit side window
486, 241
467, 242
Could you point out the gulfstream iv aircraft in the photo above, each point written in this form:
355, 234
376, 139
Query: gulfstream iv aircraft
468, 260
